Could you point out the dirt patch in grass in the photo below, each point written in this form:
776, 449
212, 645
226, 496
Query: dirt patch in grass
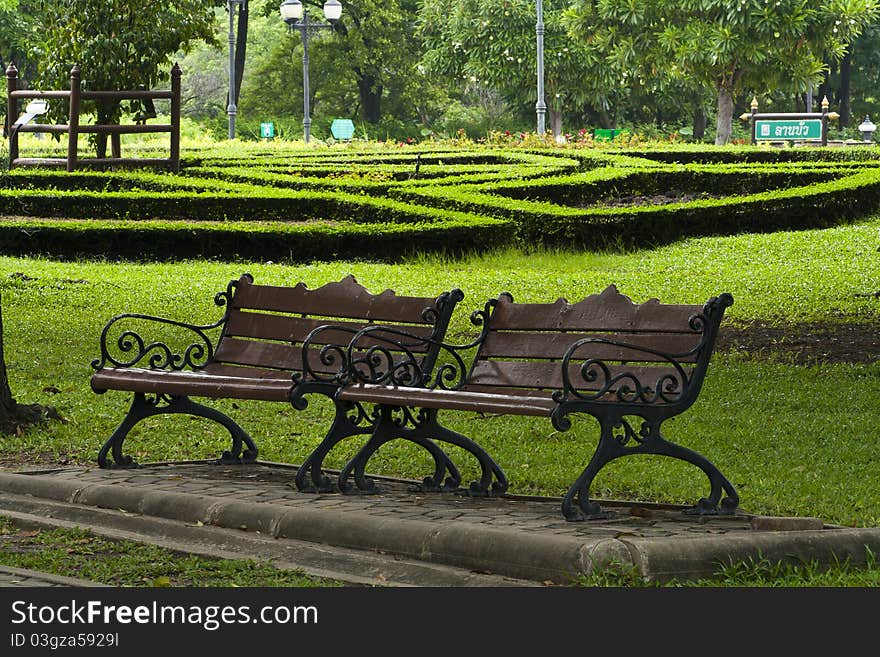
804, 343
665, 198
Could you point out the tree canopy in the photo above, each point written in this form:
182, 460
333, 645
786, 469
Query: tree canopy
116, 43
724, 45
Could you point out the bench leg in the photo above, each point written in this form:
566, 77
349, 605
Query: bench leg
386, 431
576, 505
350, 420
425, 430
492, 482
143, 406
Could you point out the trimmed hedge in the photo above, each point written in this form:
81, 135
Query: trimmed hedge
823, 203
300, 205
255, 241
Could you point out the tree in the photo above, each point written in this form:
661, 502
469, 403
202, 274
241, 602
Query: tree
118, 44
365, 63
16, 25
493, 44
726, 45
14, 416
857, 79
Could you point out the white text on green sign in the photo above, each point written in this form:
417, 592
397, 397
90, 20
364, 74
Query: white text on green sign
803, 129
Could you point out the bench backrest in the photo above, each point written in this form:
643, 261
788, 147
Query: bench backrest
266, 325
604, 348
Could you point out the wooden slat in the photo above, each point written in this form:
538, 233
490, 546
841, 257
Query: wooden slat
346, 299
269, 355
278, 356
609, 311
221, 369
450, 399
290, 328
194, 384
124, 129
555, 345
548, 376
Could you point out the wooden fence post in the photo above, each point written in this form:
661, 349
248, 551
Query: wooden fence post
73, 123
11, 112
175, 118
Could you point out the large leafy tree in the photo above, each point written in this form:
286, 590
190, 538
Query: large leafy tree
118, 44
15, 27
493, 44
365, 63
725, 45
377, 40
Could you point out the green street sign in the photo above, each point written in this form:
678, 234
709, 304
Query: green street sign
342, 129
606, 134
788, 129
267, 130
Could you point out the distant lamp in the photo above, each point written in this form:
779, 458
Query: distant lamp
867, 129
291, 11
332, 10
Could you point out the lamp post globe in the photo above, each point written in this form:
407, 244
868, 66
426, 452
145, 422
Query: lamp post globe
332, 10
291, 11
867, 128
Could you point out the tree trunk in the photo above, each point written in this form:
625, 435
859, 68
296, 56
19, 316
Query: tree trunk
700, 122
724, 118
13, 416
7, 403
605, 120
843, 94
555, 121
371, 97
107, 113
240, 47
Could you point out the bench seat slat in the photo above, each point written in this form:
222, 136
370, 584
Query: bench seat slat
346, 299
509, 344
461, 400
548, 376
264, 386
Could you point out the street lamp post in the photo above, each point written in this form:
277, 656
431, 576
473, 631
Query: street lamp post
231, 107
540, 106
293, 13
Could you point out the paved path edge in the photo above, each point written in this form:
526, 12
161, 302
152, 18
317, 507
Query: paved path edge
536, 557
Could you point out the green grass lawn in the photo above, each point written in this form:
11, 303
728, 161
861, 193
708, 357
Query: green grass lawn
794, 439
82, 554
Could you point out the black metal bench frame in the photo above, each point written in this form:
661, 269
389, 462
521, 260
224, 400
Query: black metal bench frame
620, 362
253, 358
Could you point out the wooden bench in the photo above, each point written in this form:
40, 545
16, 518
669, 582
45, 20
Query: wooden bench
254, 358
631, 366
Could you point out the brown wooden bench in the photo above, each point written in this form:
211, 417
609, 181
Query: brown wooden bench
631, 366
255, 355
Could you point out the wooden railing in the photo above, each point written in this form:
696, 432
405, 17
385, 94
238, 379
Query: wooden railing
74, 129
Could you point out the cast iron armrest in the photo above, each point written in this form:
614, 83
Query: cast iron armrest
382, 355
614, 383
158, 355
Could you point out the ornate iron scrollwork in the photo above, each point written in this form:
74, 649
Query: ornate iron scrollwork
156, 354
626, 387
393, 361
